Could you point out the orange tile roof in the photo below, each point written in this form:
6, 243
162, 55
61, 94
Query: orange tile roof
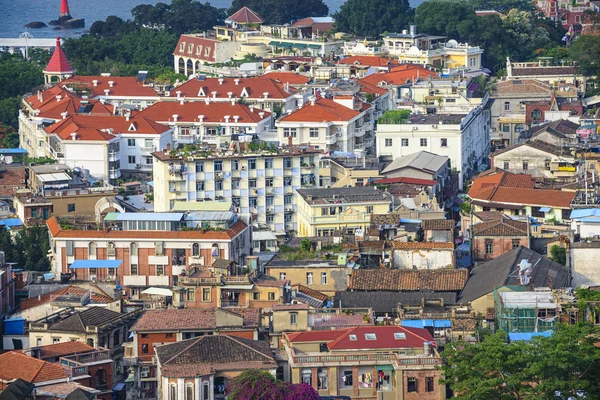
245, 16
127, 86
245, 87
98, 298
14, 365
96, 127
399, 75
439, 280
323, 110
163, 111
232, 232
484, 184
371, 61
64, 349
51, 106
372, 89
287, 77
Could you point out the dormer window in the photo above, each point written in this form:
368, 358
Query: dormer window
399, 335
353, 338
207, 52
190, 48
132, 127
199, 50
370, 336
182, 46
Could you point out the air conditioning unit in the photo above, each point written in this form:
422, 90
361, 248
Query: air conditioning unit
144, 374
93, 278
167, 94
22, 181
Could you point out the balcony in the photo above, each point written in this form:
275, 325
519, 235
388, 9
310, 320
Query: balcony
230, 303
148, 149
184, 139
331, 139
144, 167
133, 280
158, 280
113, 156
235, 279
353, 358
114, 173
187, 280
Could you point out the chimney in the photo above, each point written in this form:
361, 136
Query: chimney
252, 108
64, 115
290, 140
181, 101
39, 96
237, 81
201, 118
289, 112
168, 146
233, 102
106, 91
229, 94
413, 30
261, 114
313, 101
175, 116
207, 100
95, 82
214, 93
58, 98
266, 94
236, 118
227, 117
127, 116
74, 136
111, 83
178, 93
220, 81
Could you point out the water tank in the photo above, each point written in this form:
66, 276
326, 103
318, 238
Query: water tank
427, 348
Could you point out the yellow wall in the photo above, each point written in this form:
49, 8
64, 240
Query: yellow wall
281, 320
298, 276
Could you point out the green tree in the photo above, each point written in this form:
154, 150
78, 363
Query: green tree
282, 11
558, 254
305, 244
394, 117
524, 34
181, 16
584, 51
9, 138
28, 248
373, 17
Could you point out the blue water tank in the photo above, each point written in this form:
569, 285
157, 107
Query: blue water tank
14, 326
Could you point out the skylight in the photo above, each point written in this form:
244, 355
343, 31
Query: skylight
370, 336
353, 337
399, 335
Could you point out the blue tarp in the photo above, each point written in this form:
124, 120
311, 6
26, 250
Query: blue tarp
545, 209
80, 264
585, 212
410, 221
517, 336
48, 276
427, 323
118, 387
13, 151
11, 222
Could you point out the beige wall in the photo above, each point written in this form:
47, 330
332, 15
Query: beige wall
281, 320
337, 277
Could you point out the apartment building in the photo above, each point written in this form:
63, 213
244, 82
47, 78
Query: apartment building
435, 95
321, 212
261, 182
214, 123
395, 362
140, 250
464, 138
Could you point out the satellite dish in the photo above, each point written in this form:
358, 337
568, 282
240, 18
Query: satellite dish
452, 43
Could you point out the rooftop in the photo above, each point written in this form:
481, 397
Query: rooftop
64, 349
387, 301
190, 319
80, 321
422, 160
14, 365
245, 16
233, 88
441, 280
96, 86
58, 62
500, 227
324, 110
400, 75
436, 119
214, 112
351, 195
437, 224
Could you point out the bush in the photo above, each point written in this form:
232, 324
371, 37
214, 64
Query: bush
255, 384
394, 117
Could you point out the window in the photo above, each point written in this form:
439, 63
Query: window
370, 336
353, 338
429, 384
388, 143
423, 142
134, 270
205, 294
219, 185
505, 128
411, 385
235, 184
399, 335
256, 296
547, 165
190, 295
516, 243
269, 182
309, 278
369, 209
116, 337
270, 219
252, 202
199, 166
489, 247
131, 159
347, 379
218, 165
313, 133
323, 278
307, 376
287, 199
322, 383
536, 114
268, 163
133, 249
199, 186
287, 163
55, 340
506, 164
287, 181
507, 106
92, 249
130, 142
252, 183
172, 392
160, 270
525, 165
535, 212
289, 132
189, 392
444, 142
71, 207
252, 163
269, 200
404, 143
566, 213
293, 318
271, 295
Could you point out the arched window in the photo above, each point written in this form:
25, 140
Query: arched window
181, 65
190, 67
197, 66
133, 249
536, 114
189, 392
215, 251
578, 19
92, 249
100, 378
195, 250
90, 342
110, 248
172, 392
116, 337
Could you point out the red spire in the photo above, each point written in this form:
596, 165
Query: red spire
59, 61
64, 8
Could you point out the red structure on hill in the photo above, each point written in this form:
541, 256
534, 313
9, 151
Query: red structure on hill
64, 9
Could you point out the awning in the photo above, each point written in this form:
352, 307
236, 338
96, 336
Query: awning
300, 46
118, 387
263, 235
545, 209
427, 323
384, 368
273, 43
130, 378
526, 336
158, 291
314, 46
81, 264
442, 323
111, 216
284, 45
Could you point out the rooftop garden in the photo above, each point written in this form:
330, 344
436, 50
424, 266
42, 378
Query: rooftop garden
308, 251
202, 151
394, 117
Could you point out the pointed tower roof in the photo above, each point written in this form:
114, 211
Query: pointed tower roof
64, 8
59, 62
245, 16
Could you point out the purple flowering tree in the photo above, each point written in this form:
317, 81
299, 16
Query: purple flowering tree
256, 384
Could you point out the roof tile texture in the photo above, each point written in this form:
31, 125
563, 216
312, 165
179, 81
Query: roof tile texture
441, 280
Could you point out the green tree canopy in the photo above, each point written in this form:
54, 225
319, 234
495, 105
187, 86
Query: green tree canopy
373, 17
28, 248
282, 11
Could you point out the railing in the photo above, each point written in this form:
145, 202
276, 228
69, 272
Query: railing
235, 279
424, 361
230, 303
148, 149
343, 358
144, 167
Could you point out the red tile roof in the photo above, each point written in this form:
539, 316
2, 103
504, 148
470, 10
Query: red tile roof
286, 77
163, 111
371, 61
323, 110
191, 318
253, 88
64, 349
14, 365
500, 227
484, 184
316, 26
59, 62
127, 86
97, 127
52, 106
196, 47
399, 75
232, 232
245, 16
439, 280
98, 298
372, 89
315, 336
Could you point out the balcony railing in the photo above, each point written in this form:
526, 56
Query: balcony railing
230, 303
342, 358
236, 279
199, 280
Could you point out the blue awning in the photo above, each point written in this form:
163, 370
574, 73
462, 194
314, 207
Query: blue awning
412, 323
545, 209
427, 323
13, 151
442, 323
526, 336
118, 387
81, 264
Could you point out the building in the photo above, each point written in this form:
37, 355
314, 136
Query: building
399, 362
58, 67
494, 238
514, 194
260, 182
348, 171
201, 367
12, 171
584, 222
214, 123
464, 138
421, 48
527, 311
420, 165
422, 255
321, 212
169, 326
438, 230
144, 250
16, 365
343, 123
582, 257
193, 50
520, 267
544, 70
440, 280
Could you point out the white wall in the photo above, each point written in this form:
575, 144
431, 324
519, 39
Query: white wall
423, 259
584, 264
91, 155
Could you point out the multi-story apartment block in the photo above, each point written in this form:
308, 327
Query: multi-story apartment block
464, 138
140, 250
208, 122
321, 212
441, 96
395, 362
343, 123
424, 49
261, 184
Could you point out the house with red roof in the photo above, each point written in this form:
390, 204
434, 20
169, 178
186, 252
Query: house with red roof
343, 123
194, 50
208, 121
365, 361
58, 67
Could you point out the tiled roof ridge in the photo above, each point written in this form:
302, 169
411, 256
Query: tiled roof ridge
248, 347
333, 343
414, 334
192, 343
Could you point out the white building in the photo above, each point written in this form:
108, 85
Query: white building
465, 139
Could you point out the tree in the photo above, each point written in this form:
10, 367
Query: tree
373, 17
9, 138
256, 384
28, 248
394, 117
524, 34
584, 51
305, 244
282, 11
558, 254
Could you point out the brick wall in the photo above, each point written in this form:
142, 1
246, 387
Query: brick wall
11, 178
500, 245
150, 340
421, 393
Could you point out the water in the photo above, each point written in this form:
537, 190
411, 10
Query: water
17, 14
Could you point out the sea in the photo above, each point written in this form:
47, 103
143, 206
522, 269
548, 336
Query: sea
19, 13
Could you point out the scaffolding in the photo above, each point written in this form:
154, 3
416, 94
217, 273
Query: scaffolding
519, 311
